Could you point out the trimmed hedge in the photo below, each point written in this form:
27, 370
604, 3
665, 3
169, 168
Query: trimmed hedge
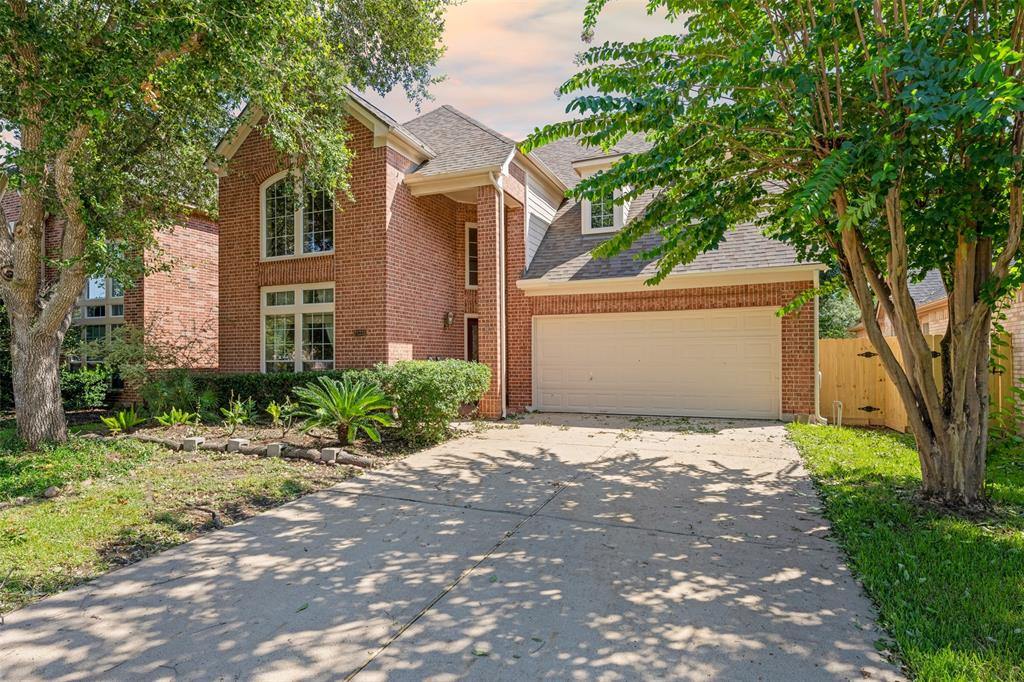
428, 394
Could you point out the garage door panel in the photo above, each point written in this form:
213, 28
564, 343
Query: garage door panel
700, 363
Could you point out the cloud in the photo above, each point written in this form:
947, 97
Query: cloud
506, 58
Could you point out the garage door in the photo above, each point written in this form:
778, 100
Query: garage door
712, 363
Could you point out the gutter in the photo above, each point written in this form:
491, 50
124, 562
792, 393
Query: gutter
498, 184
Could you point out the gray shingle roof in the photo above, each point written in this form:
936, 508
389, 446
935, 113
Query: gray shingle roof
560, 154
459, 142
928, 289
565, 253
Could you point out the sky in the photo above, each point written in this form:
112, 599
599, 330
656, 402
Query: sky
506, 58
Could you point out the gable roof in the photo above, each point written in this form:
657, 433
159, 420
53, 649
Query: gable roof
564, 255
561, 154
460, 143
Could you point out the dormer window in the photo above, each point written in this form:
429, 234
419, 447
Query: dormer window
290, 229
602, 215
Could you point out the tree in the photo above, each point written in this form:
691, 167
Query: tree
883, 137
837, 311
109, 111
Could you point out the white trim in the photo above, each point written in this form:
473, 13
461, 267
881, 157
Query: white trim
471, 226
586, 212
297, 224
534, 385
685, 280
465, 336
585, 167
296, 309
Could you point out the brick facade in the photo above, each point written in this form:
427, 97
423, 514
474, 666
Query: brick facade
177, 306
399, 273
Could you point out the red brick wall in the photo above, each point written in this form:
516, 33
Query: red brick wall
1014, 324
798, 329
179, 306
425, 271
357, 265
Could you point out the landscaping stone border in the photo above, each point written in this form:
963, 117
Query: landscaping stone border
328, 456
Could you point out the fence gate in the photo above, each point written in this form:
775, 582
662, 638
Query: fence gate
852, 373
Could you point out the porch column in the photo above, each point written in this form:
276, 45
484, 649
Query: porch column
517, 313
487, 295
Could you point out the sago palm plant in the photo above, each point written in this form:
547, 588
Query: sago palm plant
345, 406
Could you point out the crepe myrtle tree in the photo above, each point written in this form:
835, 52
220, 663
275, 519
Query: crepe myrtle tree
882, 137
110, 109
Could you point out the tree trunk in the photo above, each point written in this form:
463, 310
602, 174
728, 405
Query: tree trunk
36, 377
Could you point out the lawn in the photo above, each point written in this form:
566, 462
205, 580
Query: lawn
949, 590
119, 502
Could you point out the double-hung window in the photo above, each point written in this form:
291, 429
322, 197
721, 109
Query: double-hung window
298, 328
291, 227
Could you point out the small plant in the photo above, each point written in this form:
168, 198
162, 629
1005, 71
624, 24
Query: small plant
238, 413
123, 421
347, 406
176, 417
281, 415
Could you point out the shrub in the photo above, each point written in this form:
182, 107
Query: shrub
178, 389
429, 395
281, 415
347, 406
123, 421
85, 388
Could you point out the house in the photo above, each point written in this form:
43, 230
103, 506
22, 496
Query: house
932, 305
456, 244
176, 306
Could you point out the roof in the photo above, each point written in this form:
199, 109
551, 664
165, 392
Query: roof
561, 154
460, 142
928, 290
564, 255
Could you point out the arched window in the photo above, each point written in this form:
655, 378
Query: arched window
291, 229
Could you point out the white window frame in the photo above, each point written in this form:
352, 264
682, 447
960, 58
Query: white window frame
585, 212
297, 309
472, 226
297, 222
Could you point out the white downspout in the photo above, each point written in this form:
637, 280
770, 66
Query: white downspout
502, 326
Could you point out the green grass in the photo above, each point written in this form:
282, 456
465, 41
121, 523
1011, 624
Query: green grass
121, 502
950, 590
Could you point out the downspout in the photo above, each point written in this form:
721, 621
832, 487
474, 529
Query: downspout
502, 326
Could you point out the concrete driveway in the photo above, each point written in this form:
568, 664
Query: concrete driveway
561, 547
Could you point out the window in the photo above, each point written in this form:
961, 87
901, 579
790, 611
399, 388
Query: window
602, 214
95, 311
290, 229
472, 256
117, 310
96, 288
298, 328
473, 339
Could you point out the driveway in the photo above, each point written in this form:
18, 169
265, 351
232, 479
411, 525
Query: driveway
559, 547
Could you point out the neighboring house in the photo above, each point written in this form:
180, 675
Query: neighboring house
931, 301
456, 244
177, 307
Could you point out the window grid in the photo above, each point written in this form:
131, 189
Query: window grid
317, 341
279, 343
317, 223
298, 328
280, 219
602, 213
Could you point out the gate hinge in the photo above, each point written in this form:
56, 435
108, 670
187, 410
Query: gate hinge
870, 408
868, 354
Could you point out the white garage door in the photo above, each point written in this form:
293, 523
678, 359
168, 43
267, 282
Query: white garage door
710, 363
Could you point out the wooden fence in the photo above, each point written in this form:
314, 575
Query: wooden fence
852, 374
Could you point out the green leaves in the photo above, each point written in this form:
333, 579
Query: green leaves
347, 406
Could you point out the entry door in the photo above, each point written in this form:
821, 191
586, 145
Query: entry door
714, 363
